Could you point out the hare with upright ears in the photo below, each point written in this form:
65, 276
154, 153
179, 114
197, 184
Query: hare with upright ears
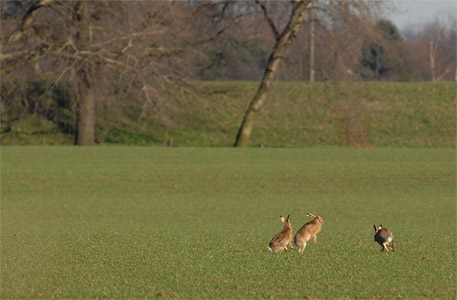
383, 236
280, 241
308, 230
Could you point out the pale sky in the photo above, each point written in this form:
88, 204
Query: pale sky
417, 12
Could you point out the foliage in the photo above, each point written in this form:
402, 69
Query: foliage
389, 30
375, 56
141, 222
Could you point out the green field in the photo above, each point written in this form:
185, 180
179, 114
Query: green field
141, 222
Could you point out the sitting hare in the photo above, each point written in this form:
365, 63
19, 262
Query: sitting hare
308, 230
384, 236
280, 241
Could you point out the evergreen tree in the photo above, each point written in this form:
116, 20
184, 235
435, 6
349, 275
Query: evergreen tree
374, 54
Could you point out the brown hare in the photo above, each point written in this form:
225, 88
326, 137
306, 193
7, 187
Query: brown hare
308, 230
280, 241
383, 236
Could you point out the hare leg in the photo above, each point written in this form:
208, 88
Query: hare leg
385, 246
303, 247
291, 246
314, 238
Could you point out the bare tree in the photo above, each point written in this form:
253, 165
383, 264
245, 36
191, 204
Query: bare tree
338, 34
283, 40
440, 54
431, 50
92, 45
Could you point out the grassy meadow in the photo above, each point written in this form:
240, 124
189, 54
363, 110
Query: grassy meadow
142, 222
295, 114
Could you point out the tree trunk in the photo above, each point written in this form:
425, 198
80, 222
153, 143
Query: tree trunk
283, 41
85, 108
431, 55
311, 45
85, 115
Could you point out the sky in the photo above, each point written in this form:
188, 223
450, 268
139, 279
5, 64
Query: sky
417, 12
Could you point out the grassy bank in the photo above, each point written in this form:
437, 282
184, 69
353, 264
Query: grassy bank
136, 222
296, 114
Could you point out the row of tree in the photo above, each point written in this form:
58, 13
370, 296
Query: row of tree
346, 48
98, 53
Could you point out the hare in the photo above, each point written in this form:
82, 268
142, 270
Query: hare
308, 230
383, 236
280, 241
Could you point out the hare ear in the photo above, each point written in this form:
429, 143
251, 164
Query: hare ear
375, 230
288, 217
282, 219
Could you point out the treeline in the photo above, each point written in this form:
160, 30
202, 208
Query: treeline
221, 40
346, 51
72, 62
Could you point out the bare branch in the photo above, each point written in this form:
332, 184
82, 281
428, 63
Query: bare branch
27, 20
268, 18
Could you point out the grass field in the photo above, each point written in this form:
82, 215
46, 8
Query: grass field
140, 222
296, 114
